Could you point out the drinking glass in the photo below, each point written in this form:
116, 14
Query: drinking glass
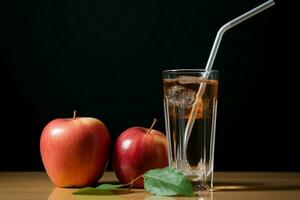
191, 137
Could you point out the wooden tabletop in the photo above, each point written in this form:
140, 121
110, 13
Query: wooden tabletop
228, 185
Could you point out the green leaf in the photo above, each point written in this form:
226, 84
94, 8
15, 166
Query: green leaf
167, 182
103, 189
89, 191
109, 186
92, 191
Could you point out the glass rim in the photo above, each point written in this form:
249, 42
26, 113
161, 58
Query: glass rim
189, 70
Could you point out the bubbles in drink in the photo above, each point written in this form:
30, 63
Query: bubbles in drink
180, 96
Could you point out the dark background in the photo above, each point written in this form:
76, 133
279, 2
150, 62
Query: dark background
105, 57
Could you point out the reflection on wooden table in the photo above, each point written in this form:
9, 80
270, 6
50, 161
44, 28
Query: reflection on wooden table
228, 185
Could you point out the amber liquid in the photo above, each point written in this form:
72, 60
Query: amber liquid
192, 155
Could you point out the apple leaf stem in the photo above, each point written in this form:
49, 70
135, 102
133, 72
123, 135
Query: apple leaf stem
130, 184
152, 125
116, 186
74, 114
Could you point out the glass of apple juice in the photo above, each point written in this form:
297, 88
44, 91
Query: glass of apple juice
191, 139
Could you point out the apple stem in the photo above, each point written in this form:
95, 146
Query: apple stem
74, 114
153, 123
130, 184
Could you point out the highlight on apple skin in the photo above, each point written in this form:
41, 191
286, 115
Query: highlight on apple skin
75, 151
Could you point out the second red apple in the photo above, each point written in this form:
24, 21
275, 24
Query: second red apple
138, 150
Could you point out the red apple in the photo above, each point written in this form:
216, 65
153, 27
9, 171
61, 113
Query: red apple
75, 150
138, 150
